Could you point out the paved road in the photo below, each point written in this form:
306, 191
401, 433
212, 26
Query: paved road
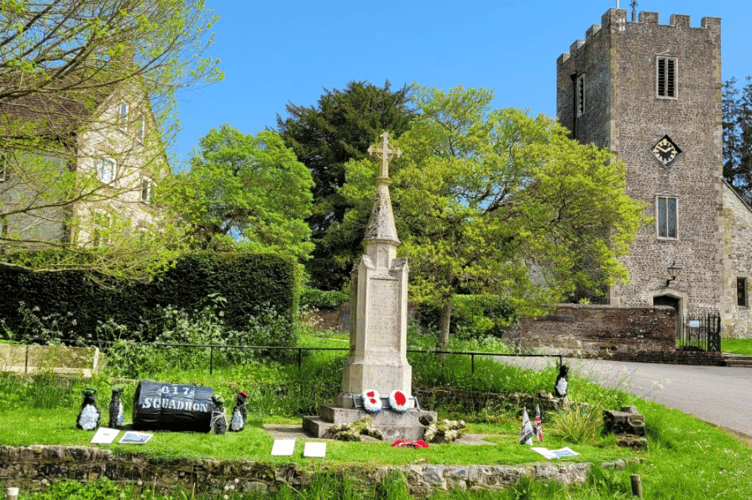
716, 394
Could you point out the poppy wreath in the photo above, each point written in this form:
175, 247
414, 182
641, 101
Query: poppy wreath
398, 401
371, 401
407, 443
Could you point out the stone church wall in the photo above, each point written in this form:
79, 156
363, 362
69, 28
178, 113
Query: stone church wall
623, 113
737, 222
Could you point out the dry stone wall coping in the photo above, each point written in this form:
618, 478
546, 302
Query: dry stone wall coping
32, 467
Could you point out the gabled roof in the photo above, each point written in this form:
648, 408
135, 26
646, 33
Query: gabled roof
46, 109
736, 193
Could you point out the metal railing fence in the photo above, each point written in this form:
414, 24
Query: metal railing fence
301, 350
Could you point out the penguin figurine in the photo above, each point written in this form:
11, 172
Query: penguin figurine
88, 417
116, 408
562, 381
239, 413
219, 418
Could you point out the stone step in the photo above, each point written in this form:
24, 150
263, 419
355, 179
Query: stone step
737, 360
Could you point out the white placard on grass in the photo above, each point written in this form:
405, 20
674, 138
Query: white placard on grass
132, 437
105, 435
315, 450
551, 454
283, 447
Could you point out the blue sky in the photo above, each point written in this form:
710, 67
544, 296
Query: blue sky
277, 51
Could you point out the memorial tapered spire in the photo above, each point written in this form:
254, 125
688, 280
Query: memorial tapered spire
381, 227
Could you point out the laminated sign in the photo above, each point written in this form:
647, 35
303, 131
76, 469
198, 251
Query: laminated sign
172, 407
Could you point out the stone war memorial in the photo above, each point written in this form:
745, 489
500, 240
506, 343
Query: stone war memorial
377, 379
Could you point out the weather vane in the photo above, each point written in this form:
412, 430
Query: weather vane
634, 4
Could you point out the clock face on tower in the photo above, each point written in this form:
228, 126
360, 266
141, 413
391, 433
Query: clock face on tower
665, 151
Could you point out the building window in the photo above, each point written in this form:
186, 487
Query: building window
580, 95
666, 76
741, 292
140, 127
4, 169
666, 217
146, 187
123, 116
106, 170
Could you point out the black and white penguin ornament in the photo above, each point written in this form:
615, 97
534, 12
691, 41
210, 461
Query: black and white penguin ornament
239, 413
562, 382
88, 417
219, 415
116, 408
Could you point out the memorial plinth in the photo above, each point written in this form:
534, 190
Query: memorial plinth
378, 326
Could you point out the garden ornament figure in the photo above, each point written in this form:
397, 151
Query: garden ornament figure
219, 417
562, 381
239, 413
88, 417
116, 408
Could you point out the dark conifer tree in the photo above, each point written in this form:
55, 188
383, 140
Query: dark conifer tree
341, 127
737, 137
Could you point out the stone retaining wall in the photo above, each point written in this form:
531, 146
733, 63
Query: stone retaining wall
32, 467
597, 331
642, 334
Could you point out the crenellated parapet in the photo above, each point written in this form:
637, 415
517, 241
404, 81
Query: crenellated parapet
615, 21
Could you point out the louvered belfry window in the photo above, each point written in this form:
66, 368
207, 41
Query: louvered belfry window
666, 71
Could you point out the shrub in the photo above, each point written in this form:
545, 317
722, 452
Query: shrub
319, 299
246, 282
578, 424
472, 315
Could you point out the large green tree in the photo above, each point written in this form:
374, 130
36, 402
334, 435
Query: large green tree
324, 137
71, 49
245, 192
737, 136
65, 67
494, 201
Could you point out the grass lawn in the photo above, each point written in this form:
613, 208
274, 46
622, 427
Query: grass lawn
737, 346
686, 459
57, 427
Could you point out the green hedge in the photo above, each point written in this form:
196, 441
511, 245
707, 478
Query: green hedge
247, 282
320, 299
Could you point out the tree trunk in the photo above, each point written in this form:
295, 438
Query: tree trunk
444, 323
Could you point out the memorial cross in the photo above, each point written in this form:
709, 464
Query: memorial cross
384, 152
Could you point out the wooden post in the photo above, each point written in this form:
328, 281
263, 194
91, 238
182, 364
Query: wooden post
11, 493
636, 485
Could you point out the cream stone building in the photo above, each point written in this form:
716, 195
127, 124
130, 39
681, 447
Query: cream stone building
107, 139
651, 93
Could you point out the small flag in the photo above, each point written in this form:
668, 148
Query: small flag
537, 424
526, 432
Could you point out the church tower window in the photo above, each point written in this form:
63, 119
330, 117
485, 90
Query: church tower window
741, 292
666, 216
666, 76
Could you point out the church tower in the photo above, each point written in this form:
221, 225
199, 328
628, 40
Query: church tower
651, 94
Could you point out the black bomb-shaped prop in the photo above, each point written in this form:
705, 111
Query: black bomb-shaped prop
88, 417
172, 407
562, 382
117, 414
239, 413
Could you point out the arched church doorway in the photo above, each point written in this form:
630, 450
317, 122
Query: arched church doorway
675, 302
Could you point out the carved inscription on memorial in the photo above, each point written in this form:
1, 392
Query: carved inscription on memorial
384, 313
